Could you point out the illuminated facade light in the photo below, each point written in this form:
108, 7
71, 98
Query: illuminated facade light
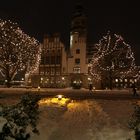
22, 79
89, 78
63, 78
125, 80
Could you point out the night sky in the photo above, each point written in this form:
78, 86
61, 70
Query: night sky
39, 17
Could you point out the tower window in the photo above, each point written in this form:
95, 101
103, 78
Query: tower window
77, 61
76, 70
77, 51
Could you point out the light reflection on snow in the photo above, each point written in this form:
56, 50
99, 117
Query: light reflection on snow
78, 120
54, 101
83, 120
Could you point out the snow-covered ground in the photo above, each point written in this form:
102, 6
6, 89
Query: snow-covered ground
89, 119
85, 120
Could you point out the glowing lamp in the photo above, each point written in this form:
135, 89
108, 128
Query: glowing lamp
63, 78
38, 88
59, 97
89, 79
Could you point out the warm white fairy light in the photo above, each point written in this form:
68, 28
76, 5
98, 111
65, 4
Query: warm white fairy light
114, 55
18, 51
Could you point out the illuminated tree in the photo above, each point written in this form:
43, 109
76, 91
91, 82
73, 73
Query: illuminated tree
18, 51
113, 58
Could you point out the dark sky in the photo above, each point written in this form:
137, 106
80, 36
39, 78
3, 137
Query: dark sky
37, 17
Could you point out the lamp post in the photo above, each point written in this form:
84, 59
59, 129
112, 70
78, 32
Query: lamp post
38, 88
63, 81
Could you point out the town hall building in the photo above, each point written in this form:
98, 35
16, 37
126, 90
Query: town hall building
65, 68
60, 67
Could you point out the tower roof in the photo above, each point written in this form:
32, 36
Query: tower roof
79, 11
79, 21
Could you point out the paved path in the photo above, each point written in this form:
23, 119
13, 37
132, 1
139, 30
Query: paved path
71, 93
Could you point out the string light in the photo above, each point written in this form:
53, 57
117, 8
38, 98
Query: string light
113, 55
18, 51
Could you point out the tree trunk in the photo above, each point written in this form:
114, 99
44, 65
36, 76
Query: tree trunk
8, 82
8, 78
110, 79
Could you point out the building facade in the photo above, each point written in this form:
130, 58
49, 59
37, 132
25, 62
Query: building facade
53, 66
61, 68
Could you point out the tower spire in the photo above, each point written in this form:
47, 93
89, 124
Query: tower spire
79, 20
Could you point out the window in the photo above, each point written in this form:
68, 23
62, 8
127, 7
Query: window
58, 60
76, 70
52, 60
57, 70
58, 51
121, 80
77, 51
52, 70
77, 61
63, 69
47, 60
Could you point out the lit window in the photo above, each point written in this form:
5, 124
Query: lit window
121, 80
116, 80
76, 70
77, 61
125, 86
125, 80
135, 80
77, 51
131, 80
